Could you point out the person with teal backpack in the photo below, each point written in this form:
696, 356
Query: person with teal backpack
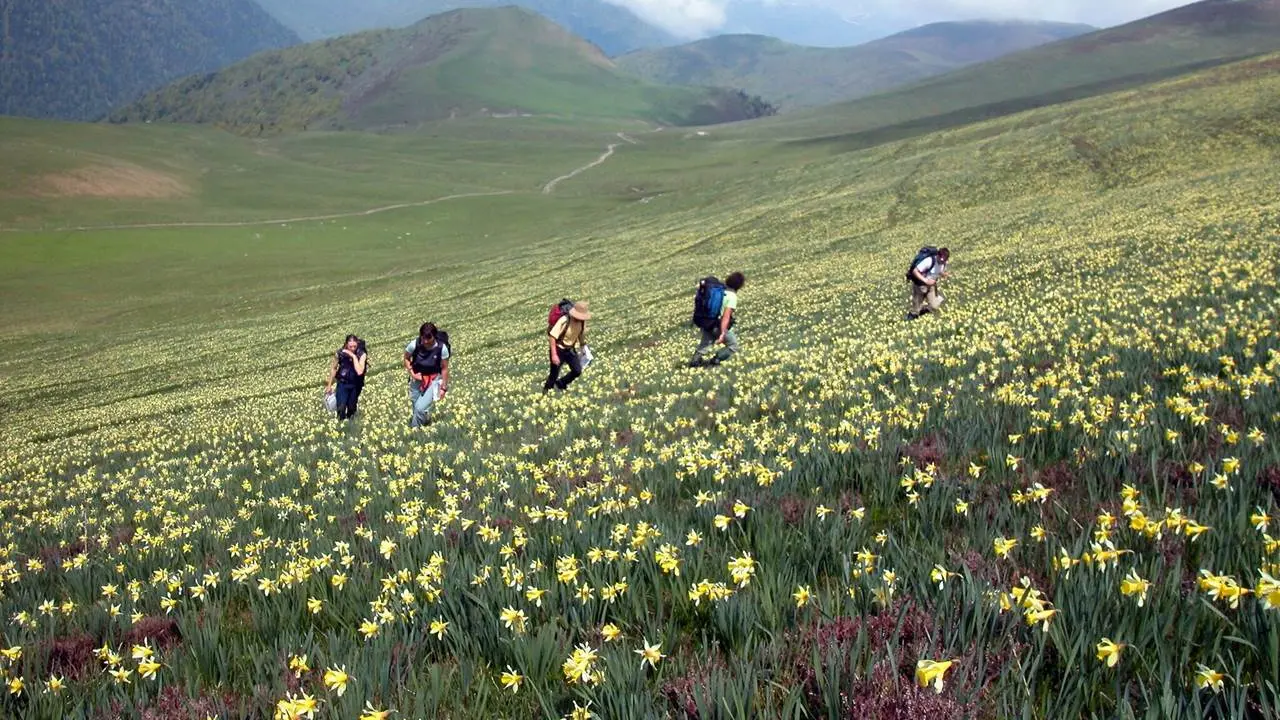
715, 309
927, 269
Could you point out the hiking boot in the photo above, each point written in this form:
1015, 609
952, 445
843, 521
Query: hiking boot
911, 316
697, 362
714, 361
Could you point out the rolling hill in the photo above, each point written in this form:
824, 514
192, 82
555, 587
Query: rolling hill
474, 62
795, 76
612, 28
848, 496
1196, 36
77, 59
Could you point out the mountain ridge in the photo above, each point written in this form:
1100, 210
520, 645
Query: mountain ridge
613, 28
463, 63
1165, 45
796, 76
77, 59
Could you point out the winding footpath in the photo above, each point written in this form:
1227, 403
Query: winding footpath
546, 190
608, 153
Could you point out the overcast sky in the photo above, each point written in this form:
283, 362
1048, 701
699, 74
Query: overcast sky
700, 17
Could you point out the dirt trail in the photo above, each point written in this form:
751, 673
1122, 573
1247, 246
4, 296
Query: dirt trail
608, 153
546, 189
551, 186
274, 221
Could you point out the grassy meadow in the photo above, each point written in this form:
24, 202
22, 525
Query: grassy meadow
1056, 498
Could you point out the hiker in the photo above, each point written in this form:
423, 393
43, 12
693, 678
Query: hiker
426, 359
567, 331
348, 369
715, 309
927, 269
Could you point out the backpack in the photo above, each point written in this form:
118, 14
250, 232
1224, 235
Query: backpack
430, 362
558, 311
347, 371
708, 304
926, 252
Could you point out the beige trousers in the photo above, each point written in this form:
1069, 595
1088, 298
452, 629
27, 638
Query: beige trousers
924, 296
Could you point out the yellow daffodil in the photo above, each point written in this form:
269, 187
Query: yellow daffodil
336, 679
1133, 585
650, 654
1003, 546
147, 669
1268, 590
372, 713
1209, 679
511, 680
298, 664
1109, 652
931, 672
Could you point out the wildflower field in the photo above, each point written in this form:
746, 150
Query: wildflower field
1057, 498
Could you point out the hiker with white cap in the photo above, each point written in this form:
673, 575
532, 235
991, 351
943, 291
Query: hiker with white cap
567, 332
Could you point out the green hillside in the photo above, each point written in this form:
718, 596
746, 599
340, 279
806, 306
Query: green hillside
1196, 36
1057, 497
464, 63
67, 175
611, 27
793, 76
78, 59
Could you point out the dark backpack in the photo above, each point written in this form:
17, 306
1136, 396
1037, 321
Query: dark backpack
926, 252
431, 362
558, 311
347, 369
708, 304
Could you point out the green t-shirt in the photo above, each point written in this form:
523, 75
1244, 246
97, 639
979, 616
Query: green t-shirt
730, 301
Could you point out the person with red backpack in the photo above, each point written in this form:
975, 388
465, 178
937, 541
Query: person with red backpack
715, 309
426, 359
927, 269
567, 331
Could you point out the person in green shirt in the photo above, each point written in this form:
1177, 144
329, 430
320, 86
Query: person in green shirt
724, 334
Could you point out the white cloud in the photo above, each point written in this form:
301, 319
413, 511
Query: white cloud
688, 18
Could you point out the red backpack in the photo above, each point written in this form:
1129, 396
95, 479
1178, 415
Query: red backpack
558, 311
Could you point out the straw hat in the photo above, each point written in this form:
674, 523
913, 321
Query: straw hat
581, 311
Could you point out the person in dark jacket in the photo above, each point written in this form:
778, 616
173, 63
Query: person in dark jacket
348, 369
426, 359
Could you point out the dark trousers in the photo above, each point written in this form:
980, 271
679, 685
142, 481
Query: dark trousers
567, 357
347, 395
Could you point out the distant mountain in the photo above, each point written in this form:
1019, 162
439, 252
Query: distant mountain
1196, 36
795, 76
462, 63
76, 59
612, 28
805, 23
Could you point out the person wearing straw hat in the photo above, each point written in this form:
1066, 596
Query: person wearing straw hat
568, 337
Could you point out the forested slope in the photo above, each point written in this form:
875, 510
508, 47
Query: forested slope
77, 59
